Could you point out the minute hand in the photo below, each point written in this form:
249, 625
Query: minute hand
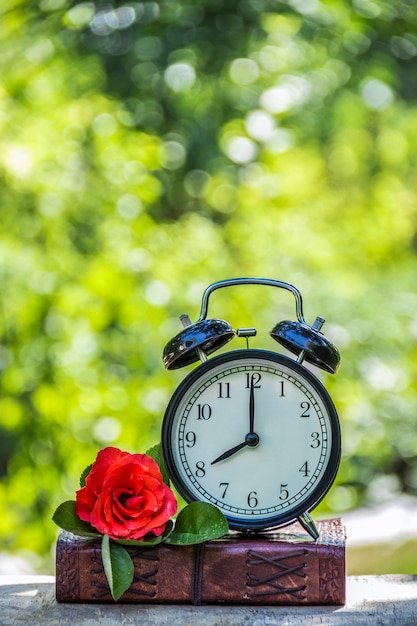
251, 410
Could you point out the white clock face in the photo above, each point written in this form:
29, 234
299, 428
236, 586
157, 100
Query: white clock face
255, 434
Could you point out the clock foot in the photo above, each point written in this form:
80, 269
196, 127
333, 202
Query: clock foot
308, 525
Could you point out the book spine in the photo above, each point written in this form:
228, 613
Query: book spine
67, 579
332, 575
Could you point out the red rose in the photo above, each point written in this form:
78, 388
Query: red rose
125, 497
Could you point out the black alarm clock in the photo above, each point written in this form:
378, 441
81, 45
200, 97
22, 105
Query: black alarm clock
253, 432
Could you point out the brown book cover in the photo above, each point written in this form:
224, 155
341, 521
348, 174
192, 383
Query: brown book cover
271, 569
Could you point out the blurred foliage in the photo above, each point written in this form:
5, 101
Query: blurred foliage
149, 149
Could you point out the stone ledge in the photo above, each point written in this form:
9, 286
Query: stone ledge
385, 600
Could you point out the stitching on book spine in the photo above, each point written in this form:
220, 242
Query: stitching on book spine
265, 581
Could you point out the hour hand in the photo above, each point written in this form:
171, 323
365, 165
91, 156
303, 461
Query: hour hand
230, 452
251, 440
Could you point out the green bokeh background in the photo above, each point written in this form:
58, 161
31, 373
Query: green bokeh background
149, 149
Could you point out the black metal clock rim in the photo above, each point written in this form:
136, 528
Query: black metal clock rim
324, 484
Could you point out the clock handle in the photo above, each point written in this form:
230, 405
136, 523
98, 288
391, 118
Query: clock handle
252, 281
306, 341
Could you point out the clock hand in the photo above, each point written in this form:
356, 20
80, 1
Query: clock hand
251, 440
251, 409
230, 452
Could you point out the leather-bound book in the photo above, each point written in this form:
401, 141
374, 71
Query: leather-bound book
271, 569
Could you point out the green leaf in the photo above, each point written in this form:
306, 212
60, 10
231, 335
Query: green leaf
66, 518
198, 522
156, 454
118, 567
84, 475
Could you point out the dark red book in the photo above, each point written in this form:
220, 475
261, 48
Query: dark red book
275, 568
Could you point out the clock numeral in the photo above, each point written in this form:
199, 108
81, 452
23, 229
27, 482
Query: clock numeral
253, 380
252, 499
283, 492
281, 387
224, 390
316, 440
226, 486
190, 438
200, 469
204, 411
304, 469
306, 409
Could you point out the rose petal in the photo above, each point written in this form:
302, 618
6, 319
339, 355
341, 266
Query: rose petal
168, 509
106, 458
84, 503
